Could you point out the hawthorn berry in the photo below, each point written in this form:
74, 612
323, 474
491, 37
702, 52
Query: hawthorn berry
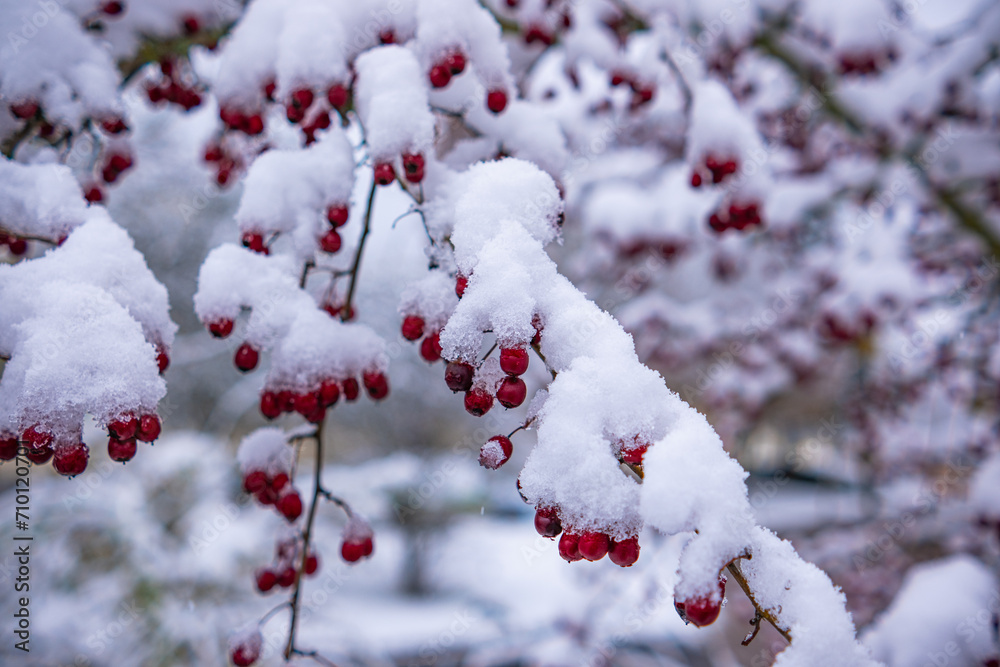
39, 456
221, 328
255, 481
121, 450
306, 403
71, 460
495, 452
513, 360
384, 173
387, 36
286, 578
458, 375
8, 447
124, 427
618, 77
265, 579
512, 392
246, 651
430, 347
162, 359
311, 565
149, 428
351, 389
246, 357
24, 110
702, 610
635, 454
113, 8
478, 401
34, 437
253, 124
354, 550
593, 545
329, 393
547, 522
376, 384
191, 24
269, 406
455, 62
624, 553
17, 246
461, 282
337, 96
254, 241
278, 482
569, 547
496, 100
94, 194
330, 242
337, 214
413, 167
695, 179
440, 75
290, 505
113, 125
413, 327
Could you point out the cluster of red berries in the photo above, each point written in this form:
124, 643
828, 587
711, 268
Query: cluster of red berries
837, 330
590, 545
274, 490
115, 164
496, 452
702, 611
413, 329
124, 431
863, 63
452, 63
738, 216
16, 245
336, 215
668, 249
413, 169
172, 86
714, 168
642, 93
356, 547
283, 572
225, 162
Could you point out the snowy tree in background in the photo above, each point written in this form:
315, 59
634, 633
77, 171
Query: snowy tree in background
785, 211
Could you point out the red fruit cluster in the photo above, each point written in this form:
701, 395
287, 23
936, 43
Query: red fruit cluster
336, 215
114, 165
862, 63
354, 549
172, 87
283, 571
225, 162
514, 362
15, 244
313, 403
715, 168
414, 328
642, 93
250, 123
274, 490
339, 97
449, 65
413, 167
738, 216
125, 430
589, 545
495, 452
703, 610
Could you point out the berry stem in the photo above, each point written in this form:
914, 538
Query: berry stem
346, 310
734, 569
266, 617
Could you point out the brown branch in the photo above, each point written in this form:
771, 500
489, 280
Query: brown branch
734, 569
345, 311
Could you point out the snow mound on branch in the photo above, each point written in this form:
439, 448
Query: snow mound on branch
267, 450
41, 201
433, 298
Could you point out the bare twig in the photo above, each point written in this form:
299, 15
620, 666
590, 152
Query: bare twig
734, 569
345, 312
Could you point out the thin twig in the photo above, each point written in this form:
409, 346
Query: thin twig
345, 312
734, 570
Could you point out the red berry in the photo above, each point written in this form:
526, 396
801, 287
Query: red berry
440, 75
39, 456
430, 347
512, 392
538, 34
8, 447
456, 62
337, 96
17, 246
387, 36
413, 327
495, 452
162, 359
354, 550
266, 579
376, 384
311, 564
247, 651
24, 110
233, 118
635, 455
351, 389
547, 522
569, 547
302, 98
496, 100
71, 460
278, 482
478, 401
703, 610
35, 438
246, 357
337, 214
149, 428
461, 282
330, 242
290, 505
255, 481
221, 328
121, 450
593, 545
384, 173
254, 241
458, 375
695, 179
113, 8
717, 224
124, 427
191, 24
114, 125
329, 392
253, 124
269, 405
286, 578
624, 553
619, 77
306, 403
94, 194
513, 360
413, 167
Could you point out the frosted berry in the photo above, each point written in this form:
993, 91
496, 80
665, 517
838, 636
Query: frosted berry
191, 24
384, 173
351, 389
71, 460
495, 452
221, 328
618, 77
413, 167
593, 545
162, 359
547, 522
496, 100
306, 403
246, 357
430, 347
478, 401
94, 194
354, 550
39, 456
456, 62
458, 375
461, 282
253, 124
149, 428
337, 214
124, 427
121, 450
624, 553
255, 481
569, 547
290, 505
269, 406
635, 454
387, 36
8, 448
246, 651
513, 360
266, 579
512, 392
703, 610
376, 384
413, 327
254, 241
329, 393
330, 242
34, 437
440, 75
